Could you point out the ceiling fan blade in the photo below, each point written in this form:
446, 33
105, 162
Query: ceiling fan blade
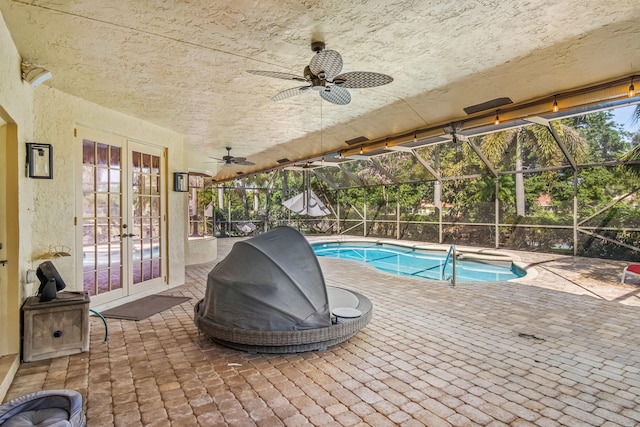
327, 61
336, 95
361, 79
238, 159
277, 75
289, 93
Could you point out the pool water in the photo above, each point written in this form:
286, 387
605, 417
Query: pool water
416, 263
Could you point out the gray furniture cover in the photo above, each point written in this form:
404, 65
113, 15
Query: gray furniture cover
270, 282
50, 408
269, 295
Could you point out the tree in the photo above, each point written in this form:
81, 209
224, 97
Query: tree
534, 147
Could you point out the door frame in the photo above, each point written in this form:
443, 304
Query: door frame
125, 293
162, 281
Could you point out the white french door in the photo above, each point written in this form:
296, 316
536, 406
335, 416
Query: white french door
122, 220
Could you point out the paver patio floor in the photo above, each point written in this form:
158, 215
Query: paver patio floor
559, 349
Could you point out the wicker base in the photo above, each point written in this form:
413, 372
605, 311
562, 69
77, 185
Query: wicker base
255, 341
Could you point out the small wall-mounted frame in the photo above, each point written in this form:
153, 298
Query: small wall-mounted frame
181, 181
39, 160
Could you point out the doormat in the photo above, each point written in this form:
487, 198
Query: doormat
143, 307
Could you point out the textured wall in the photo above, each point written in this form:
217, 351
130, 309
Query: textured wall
182, 64
16, 103
200, 251
56, 201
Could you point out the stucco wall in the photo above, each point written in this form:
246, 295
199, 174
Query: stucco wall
16, 108
55, 201
47, 207
199, 251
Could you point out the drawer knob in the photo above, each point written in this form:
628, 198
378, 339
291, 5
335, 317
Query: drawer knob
57, 334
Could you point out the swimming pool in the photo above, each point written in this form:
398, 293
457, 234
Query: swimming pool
426, 264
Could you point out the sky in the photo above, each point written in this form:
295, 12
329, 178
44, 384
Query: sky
623, 117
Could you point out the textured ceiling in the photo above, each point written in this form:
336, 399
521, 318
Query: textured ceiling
182, 64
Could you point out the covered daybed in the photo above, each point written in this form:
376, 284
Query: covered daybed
269, 296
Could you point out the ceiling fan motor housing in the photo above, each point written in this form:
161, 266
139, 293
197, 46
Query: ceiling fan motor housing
317, 46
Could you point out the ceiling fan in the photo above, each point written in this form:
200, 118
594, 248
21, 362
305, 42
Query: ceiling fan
230, 160
322, 75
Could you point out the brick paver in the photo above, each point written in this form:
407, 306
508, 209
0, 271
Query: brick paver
558, 349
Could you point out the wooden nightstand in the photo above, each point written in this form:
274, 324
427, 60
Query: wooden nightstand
55, 328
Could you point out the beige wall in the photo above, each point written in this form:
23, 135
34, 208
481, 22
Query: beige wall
16, 109
56, 116
45, 209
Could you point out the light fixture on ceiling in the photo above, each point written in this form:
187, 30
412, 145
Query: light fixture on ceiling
555, 104
386, 145
497, 121
632, 89
33, 74
361, 150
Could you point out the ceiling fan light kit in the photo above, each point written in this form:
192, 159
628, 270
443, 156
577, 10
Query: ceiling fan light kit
322, 75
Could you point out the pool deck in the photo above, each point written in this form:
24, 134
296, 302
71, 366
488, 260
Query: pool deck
560, 347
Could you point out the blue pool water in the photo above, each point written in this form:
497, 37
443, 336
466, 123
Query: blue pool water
416, 263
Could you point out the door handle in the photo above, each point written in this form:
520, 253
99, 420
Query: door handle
4, 262
129, 235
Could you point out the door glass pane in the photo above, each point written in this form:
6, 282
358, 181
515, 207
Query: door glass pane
146, 163
88, 152
89, 261
146, 270
135, 161
87, 178
103, 154
102, 256
102, 180
156, 269
103, 281
101, 217
102, 205
146, 220
102, 231
89, 280
114, 206
88, 232
137, 272
115, 157
114, 180
88, 205
116, 278
155, 165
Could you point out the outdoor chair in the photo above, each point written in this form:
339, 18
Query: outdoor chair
51, 408
632, 269
246, 229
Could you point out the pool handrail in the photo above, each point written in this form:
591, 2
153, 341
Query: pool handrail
450, 252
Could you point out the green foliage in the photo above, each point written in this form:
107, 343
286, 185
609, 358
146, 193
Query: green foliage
468, 188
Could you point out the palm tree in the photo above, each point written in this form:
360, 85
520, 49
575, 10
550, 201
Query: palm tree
633, 155
538, 141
